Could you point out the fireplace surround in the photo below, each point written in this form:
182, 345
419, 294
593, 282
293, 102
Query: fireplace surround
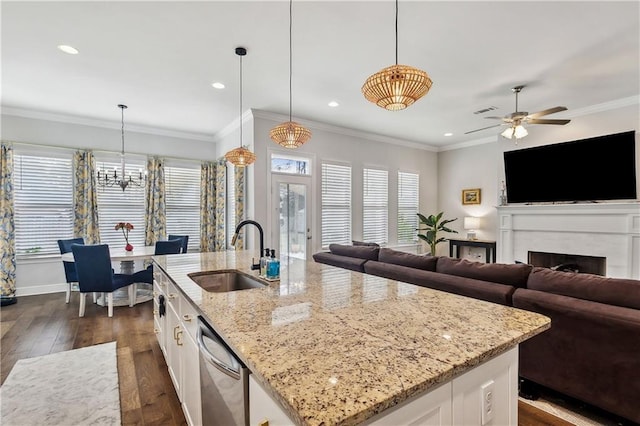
609, 230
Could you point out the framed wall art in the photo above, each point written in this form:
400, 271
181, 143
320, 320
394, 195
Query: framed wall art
471, 196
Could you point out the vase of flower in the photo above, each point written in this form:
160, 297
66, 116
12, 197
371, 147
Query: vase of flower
126, 227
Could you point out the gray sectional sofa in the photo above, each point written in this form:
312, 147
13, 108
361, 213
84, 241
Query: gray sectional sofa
592, 350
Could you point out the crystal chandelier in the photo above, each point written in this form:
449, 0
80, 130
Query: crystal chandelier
398, 86
290, 134
106, 179
240, 157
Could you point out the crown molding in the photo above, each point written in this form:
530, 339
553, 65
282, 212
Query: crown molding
86, 121
345, 131
233, 126
467, 144
605, 106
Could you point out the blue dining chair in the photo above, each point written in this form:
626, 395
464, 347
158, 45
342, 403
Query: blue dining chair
184, 238
162, 247
69, 267
93, 266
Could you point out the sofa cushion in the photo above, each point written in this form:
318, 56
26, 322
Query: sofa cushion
352, 263
427, 263
491, 292
362, 243
362, 252
501, 273
612, 291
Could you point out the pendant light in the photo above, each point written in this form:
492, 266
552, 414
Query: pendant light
398, 86
106, 179
290, 134
240, 157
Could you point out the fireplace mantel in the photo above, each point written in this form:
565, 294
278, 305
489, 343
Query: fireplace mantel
611, 230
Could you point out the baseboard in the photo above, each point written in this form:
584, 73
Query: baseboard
41, 289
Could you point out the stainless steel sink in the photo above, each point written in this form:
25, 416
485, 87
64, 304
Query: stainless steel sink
225, 281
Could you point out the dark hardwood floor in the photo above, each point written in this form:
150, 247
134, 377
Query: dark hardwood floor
44, 324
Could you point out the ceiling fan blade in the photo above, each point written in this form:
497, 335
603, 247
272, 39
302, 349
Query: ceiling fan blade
547, 112
484, 128
547, 121
495, 118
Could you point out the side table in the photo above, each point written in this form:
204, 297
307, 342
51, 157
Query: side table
489, 246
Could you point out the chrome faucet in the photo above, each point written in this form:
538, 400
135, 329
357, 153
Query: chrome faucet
257, 225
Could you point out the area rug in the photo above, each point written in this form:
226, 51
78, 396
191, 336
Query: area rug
76, 387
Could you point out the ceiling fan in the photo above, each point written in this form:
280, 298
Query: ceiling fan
516, 119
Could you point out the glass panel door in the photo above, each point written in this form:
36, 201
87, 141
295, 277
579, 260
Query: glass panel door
291, 213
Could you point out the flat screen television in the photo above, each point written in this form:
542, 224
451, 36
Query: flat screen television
594, 169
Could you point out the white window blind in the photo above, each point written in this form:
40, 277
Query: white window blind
336, 204
375, 206
182, 187
116, 205
407, 207
43, 203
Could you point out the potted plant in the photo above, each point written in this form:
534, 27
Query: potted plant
434, 224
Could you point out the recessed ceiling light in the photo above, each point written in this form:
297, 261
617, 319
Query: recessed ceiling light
68, 49
218, 85
333, 104
448, 134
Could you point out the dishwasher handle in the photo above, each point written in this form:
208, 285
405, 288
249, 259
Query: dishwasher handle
232, 371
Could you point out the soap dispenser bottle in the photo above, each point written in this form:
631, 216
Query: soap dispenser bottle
273, 267
263, 262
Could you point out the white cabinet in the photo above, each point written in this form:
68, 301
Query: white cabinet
485, 395
262, 408
177, 339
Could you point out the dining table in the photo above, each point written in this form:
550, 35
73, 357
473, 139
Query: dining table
130, 262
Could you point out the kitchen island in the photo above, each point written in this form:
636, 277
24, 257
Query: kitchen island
333, 346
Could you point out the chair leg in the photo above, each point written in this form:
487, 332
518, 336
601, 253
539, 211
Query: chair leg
110, 302
83, 301
133, 289
95, 297
68, 292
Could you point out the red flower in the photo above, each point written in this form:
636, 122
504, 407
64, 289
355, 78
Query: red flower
126, 227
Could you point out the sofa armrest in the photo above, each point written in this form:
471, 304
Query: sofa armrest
591, 352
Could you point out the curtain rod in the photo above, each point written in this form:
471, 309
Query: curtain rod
105, 152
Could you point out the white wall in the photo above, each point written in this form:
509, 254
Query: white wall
46, 275
356, 148
482, 166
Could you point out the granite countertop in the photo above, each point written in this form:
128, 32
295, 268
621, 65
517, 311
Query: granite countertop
338, 347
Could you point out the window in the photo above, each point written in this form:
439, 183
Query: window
116, 205
407, 207
375, 206
182, 187
336, 204
291, 165
43, 203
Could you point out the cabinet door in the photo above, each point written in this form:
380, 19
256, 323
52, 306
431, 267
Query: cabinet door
174, 341
262, 408
159, 321
430, 409
191, 404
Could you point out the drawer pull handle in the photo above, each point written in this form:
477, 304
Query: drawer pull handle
155, 293
172, 295
178, 340
175, 331
187, 318
155, 312
155, 330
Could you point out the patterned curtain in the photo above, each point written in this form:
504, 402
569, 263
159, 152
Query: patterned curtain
155, 217
7, 229
213, 178
85, 198
239, 182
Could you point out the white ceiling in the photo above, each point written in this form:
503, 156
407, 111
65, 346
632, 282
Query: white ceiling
160, 59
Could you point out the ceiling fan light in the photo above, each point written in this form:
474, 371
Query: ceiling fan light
290, 134
520, 132
396, 87
240, 157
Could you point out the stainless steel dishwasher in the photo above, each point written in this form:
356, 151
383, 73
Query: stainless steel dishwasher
224, 381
